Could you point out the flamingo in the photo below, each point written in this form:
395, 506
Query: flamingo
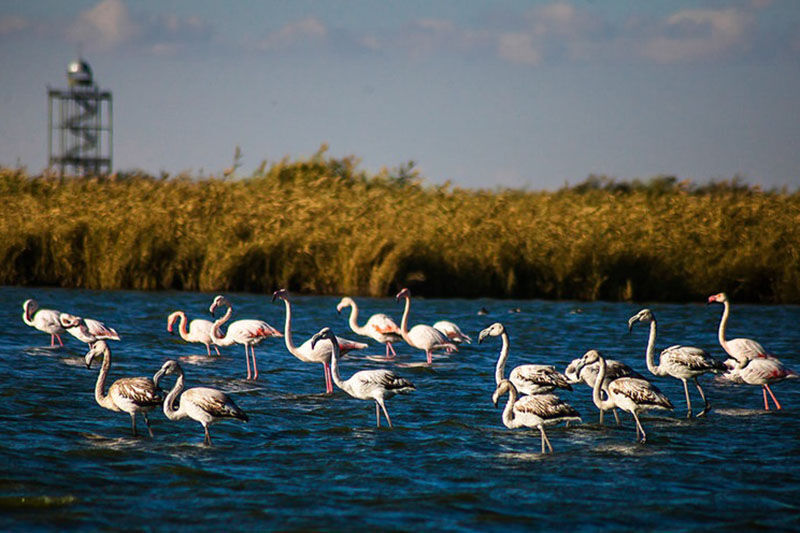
379, 326
744, 350
421, 336
588, 375
249, 332
680, 362
87, 330
203, 404
377, 385
629, 394
534, 411
307, 352
129, 395
45, 320
762, 371
199, 330
527, 379
452, 332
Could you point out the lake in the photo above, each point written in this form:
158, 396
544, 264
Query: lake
309, 461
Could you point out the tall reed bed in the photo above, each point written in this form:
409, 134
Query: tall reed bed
321, 225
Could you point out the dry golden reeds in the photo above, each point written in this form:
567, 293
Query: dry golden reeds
321, 225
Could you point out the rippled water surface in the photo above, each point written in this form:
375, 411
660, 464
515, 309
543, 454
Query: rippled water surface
310, 461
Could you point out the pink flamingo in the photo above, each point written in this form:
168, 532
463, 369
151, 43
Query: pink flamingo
45, 320
199, 330
248, 332
379, 326
87, 330
767, 368
422, 336
308, 352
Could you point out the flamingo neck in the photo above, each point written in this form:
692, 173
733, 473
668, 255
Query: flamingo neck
216, 333
27, 316
335, 367
508, 411
353, 320
598, 385
168, 406
723, 324
100, 395
499, 370
650, 355
182, 326
404, 321
287, 329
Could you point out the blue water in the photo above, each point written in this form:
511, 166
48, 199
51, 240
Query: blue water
310, 461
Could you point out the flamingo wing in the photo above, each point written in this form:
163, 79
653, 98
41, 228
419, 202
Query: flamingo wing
140, 391
693, 358
383, 379
214, 402
531, 376
639, 391
545, 406
743, 349
381, 323
100, 330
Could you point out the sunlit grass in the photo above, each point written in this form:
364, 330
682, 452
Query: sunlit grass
322, 225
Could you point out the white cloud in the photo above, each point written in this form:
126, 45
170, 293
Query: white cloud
309, 30
106, 25
701, 34
12, 24
518, 48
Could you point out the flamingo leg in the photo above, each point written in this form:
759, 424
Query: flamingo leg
707, 407
247, 360
774, 399
52, 340
385, 412
133, 424
255, 368
545, 440
208, 349
207, 440
688, 400
639, 428
59, 340
217, 349
430, 357
326, 369
616, 416
764, 390
147, 422
601, 417
378, 414
389, 347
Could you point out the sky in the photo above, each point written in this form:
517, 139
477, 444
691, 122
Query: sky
507, 93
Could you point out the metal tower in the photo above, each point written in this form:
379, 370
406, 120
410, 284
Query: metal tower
79, 124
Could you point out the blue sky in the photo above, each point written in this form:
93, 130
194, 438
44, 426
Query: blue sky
508, 93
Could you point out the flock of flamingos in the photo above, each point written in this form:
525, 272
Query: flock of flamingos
531, 402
